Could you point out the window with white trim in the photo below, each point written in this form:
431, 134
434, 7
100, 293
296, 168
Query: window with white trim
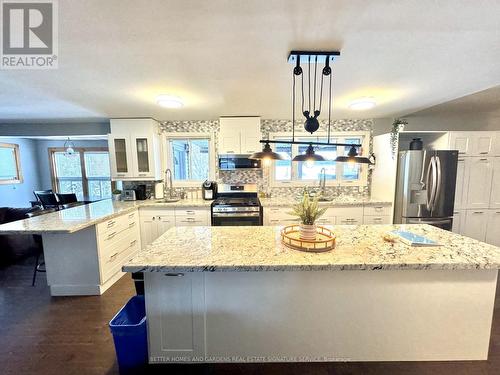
10, 164
190, 158
286, 172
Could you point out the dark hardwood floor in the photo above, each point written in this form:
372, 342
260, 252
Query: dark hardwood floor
40, 334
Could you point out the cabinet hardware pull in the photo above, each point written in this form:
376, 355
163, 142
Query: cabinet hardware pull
131, 215
159, 217
483, 159
174, 274
131, 224
111, 223
154, 218
479, 212
142, 174
190, 212
133, 242
230, 152
111, 235
461, 159
113, 256
483, 153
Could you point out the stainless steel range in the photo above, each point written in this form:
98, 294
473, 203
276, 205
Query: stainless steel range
236, 205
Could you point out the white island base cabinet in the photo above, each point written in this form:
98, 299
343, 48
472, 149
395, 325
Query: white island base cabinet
400, 315
89, 261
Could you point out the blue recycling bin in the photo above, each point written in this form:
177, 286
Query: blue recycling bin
130, 336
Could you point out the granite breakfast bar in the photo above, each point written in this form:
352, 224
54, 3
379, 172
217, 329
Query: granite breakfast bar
236, 294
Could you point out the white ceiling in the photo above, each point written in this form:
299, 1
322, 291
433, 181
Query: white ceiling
229, 57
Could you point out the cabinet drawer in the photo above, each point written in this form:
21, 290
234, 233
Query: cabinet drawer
377, 210
326, 220
146, 213
110, 245
115, 225
112, 263
369, 220
191, 212
188, 221
354, 211
350, 220
110, 239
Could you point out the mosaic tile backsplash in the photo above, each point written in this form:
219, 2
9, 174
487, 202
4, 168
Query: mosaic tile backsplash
261, 177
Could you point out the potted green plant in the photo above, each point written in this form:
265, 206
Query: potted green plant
308, 211
117, 194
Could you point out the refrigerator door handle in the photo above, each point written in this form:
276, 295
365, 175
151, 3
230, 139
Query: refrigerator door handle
437, 190
430, 183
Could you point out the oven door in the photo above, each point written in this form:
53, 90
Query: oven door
236, 219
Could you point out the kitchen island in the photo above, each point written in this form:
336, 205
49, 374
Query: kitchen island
85, 246
236, 294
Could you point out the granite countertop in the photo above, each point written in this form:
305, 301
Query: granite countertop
188, 249
77, 218
340, 201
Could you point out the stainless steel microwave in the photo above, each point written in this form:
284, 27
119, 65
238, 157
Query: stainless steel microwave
233, 162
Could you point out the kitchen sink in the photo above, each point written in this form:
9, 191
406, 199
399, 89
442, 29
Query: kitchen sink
171, 200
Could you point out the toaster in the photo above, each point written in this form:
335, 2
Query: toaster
129, 195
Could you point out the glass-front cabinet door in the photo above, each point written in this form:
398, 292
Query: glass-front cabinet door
119, 152
143, 156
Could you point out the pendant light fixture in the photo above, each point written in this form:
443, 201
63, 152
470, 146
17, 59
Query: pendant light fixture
353, 157
311, 110
69, 147
267, 154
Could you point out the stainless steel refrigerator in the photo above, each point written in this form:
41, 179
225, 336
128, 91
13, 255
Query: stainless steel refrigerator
425, 188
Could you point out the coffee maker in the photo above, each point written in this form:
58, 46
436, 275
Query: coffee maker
209, 190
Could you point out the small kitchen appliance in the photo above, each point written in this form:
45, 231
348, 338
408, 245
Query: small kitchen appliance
237, 205
140, 192
209, 190
129, 195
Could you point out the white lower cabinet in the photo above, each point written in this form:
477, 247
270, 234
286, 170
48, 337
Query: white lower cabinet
192, 217
175, 306
352, 215
458, 221
493, 230
155, 222
374, 220
475, 224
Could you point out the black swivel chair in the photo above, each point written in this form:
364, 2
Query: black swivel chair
47, 199
68, 198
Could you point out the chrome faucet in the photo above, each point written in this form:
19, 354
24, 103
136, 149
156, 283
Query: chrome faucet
322, 181
169, 186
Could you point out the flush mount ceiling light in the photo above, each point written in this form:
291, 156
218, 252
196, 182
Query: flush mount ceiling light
362, 104
169, 101
311, 106
353, 157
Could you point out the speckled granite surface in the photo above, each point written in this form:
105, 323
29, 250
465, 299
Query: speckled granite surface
186, 249
339, 201
77, 218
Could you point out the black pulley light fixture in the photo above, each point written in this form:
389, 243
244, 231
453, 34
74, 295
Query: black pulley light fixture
311, 109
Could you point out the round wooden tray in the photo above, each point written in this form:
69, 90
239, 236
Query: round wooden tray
325, 239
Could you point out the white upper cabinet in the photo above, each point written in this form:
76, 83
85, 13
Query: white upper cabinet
482, 143
495, 184
120, 156
239, 135
135, 149
479, 174
462, 142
